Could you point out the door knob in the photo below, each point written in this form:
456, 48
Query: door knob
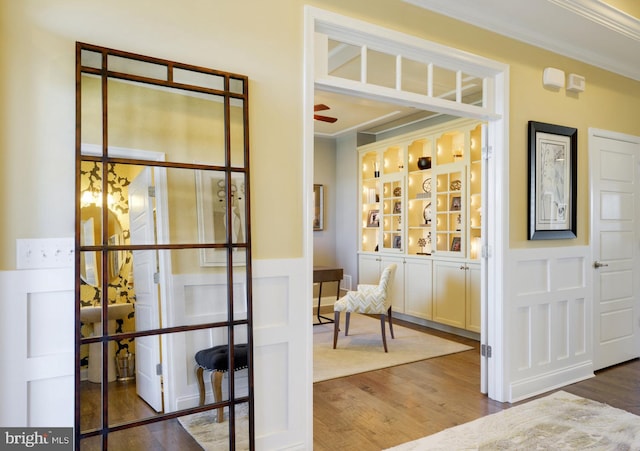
598, 264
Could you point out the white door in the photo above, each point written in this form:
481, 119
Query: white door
613, 162
142, 225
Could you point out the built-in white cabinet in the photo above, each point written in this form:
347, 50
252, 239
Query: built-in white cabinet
420, 207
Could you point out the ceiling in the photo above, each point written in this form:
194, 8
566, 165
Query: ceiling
591, 31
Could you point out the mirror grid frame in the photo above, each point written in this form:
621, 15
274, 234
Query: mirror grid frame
233, 88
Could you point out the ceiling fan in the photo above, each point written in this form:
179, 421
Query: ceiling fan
322, 107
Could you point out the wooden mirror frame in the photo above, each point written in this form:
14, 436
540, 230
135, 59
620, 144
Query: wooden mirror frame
233, 89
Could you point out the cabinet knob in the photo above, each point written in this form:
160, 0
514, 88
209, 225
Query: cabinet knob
462, 267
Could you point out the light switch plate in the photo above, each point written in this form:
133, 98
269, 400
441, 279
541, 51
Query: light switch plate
41, 253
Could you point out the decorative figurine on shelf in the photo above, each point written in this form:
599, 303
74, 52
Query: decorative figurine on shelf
422, 243
424, 163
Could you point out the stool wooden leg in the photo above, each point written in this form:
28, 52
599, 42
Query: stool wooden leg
199, 372
216, 383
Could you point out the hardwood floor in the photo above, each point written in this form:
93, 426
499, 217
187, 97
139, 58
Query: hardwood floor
126, 405
384, 408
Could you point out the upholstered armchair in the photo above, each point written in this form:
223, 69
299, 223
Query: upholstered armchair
369, 299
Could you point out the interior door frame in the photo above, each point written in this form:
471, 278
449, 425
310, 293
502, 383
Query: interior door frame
495, 243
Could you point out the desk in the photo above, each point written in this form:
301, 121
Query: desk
326, 274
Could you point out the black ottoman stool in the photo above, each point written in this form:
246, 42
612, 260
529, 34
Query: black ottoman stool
216, 360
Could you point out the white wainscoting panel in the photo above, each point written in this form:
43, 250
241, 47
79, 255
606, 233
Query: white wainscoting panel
549, 319
283, 361
36, 336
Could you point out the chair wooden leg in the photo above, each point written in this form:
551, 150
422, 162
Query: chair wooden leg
384, 333
200, 378
336, 328
390, 322
216, 383
346, 324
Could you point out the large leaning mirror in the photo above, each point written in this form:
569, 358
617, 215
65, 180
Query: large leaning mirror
163, 254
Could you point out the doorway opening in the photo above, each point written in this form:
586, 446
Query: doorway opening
356, 42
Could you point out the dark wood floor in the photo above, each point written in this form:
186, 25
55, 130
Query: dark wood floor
384, 408
125, 405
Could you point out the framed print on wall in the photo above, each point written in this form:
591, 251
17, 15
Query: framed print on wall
211, 198
553, 172
318, 207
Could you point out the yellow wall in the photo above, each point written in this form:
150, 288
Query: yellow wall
262, 40
631, 7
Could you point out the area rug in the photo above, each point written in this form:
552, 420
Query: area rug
362, 350
560, 421
211, 435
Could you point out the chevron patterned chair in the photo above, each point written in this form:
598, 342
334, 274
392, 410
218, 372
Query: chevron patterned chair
369, 299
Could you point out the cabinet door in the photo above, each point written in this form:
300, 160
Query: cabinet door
392, 213
450, 201
417, 288
449, 293
369, 269
473, 297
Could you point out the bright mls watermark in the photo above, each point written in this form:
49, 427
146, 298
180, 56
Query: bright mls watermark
36, 439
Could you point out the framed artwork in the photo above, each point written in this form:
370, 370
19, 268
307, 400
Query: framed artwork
397, 207
397, 242
318, 207
455, 244
456, 203
211, 204
553, 184
373, 220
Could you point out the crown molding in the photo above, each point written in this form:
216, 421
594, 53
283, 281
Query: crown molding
586, 30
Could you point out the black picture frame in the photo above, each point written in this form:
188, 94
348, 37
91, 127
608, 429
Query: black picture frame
553, 181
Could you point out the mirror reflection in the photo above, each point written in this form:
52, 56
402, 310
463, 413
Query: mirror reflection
90, 235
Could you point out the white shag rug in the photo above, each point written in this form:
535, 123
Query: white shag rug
362, 349
560, 421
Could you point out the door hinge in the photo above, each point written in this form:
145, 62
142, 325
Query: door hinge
485, 251
156, 277
485, 351
159, 369
152, 191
